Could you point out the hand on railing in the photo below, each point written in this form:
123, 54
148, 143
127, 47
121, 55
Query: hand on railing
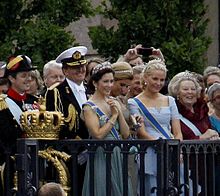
210, 134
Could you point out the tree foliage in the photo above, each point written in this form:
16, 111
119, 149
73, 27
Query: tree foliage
36, 27
176, 27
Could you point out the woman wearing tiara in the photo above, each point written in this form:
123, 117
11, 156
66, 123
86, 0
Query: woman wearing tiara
105, 121
161, 117
194, 117
194, 121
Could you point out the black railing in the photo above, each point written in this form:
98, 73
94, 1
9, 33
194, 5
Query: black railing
183, 168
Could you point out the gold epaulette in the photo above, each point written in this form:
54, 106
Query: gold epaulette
53, 86
3, 104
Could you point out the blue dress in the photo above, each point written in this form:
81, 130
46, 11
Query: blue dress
100, 169
215, 123
163, 115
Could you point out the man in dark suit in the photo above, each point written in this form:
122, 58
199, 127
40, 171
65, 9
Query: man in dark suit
68, 97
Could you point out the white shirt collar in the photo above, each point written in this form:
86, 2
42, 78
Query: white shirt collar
76, 86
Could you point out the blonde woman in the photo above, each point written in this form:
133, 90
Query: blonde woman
161, 117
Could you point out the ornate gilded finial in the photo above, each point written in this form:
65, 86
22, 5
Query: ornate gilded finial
42, 124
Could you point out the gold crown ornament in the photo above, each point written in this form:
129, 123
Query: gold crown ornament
42, 124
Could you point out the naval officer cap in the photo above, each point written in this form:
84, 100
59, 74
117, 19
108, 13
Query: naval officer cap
74, 56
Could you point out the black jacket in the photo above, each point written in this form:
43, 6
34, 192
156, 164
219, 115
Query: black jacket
67, 104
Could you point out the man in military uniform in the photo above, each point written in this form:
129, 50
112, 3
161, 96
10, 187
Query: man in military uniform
68, 97
14, 103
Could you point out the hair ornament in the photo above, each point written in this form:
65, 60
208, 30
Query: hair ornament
101, 66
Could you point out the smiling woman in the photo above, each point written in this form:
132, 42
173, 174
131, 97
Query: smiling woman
195, 122
154, 107
104, 120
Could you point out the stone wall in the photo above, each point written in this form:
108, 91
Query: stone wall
213, 31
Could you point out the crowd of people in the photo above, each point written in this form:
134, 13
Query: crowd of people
111, 101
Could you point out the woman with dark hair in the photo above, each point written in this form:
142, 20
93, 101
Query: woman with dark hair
105, 121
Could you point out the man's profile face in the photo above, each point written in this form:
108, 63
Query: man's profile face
20, 83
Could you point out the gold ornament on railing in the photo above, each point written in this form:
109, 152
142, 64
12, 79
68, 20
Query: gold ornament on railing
42, 124
57, 158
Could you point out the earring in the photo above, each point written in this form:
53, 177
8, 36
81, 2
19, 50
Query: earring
145, 83
177, 97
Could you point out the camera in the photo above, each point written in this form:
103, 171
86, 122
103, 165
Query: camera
145, 51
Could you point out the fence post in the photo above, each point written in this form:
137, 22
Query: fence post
172, 167
27, 166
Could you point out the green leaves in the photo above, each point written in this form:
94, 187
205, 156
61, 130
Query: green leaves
162, 24
36, 28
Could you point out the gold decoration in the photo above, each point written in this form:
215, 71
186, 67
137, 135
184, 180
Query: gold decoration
42, 124
79, 62
14, 61
2, 169
15, 181
3, 104
76, 55
67, 90
72, 116
57, 158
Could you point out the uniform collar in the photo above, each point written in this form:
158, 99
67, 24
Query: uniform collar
15, 95
76, 86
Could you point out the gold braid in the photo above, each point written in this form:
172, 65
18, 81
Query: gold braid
72, 117
3, 104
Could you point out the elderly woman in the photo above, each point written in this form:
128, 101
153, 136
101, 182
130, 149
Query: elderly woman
195, 122
214, 98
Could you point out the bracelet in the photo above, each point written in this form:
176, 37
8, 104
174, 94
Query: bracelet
111, 122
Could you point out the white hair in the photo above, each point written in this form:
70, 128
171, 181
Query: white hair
50, 65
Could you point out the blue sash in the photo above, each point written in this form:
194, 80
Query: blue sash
151, 119
100, 114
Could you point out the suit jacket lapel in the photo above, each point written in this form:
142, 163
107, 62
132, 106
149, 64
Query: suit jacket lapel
69, 95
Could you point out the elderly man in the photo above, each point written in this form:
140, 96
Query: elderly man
68, 97
52, 73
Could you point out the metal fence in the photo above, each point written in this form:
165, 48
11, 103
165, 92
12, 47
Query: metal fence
183, 168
